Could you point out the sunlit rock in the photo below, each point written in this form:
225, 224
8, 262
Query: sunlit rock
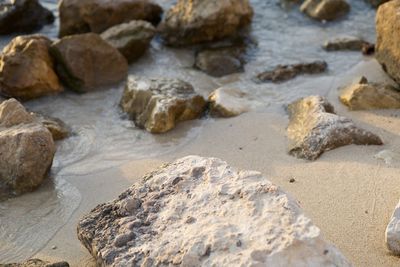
325, 9
228, 102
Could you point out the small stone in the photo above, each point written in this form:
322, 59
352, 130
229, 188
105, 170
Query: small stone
345, 43
292, 180
54, 247
325, 10
228, 102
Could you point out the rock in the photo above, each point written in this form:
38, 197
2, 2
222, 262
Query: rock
392, 234
36, 263
325, 9
364, 95
158, 104
77, 16
345, 43
23, 16
86, 62
315, 128
194, 222
228, 102
13, 113
195, 21
131, 39
283, 73
58, 129
368, 49
376, 3
27, 69
387, 51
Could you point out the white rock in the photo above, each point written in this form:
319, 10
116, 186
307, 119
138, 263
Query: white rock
392, 235
228, 102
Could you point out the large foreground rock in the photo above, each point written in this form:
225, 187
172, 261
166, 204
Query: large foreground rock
387, 49
392, 234
78, 16
325, 9
23, 16
158, 104
27, 69
315, 128
36, 263
196, 21
202, 212
86, 62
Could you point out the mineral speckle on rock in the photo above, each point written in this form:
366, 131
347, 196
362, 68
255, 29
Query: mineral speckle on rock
315, 128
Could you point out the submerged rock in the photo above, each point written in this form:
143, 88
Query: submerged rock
78, 16
86, 62
24, 16
325, 9
365, 95
315, 128
37, 263
186, 213
27, 69
196, 21
158, 104
345, 43
392, 235
228, 102
131, 39
283, 73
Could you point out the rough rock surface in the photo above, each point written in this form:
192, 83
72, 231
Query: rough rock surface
315, 128
345, 43
325, 9
77, 16
58, 129
27, 69
131, 39
228, 102
23, 16
365, 95
26, 148
392, 234
86, 62
283, 73
36, 263
387, 49
158, 104
196, 21
202, 212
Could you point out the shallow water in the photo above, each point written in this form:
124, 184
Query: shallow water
104, 137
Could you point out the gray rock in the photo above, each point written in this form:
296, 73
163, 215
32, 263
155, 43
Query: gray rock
392, 235
325, 9
346, 43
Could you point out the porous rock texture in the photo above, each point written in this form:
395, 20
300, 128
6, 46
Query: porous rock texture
27, 69
78, 16
157, 104
36, 263
315, 128
196, 21
228, 102
201, 212
85, 62
392, 235
325, 9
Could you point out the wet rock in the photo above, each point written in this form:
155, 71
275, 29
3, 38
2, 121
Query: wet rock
364, 95
58, 129
24, 16
283, 73
387, 51
345, 43
37, 263
86, 62
196, 222
376, 3
131, 39
27, 69
315, 128
392, 235
77, 16
158, 104
196, 21
325, 9
228, 102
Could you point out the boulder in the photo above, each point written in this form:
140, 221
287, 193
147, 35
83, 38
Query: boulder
36, 263
202, 212
195, 21
325, 10
364, 95
387, 49
282, 73
131, 39
13, 113
86, 62
77, 16
392, 235
157, 104
27, 69
23, 16
345, 43
315, 128
228, 102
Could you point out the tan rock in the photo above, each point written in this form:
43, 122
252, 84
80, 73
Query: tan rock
13, 113
58, 129
325, 9
228, 102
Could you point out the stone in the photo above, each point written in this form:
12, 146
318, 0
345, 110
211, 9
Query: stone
376, 3
131, 39
325, 10
27, 69
58, 129
194, 222
315, 128
364, 95
387, 49
157, 104
85, 62
345, 43
392, 235
368, 49
77, 16
196, 21
282, 73
13, 113
228, 102
23, 16
37, 263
